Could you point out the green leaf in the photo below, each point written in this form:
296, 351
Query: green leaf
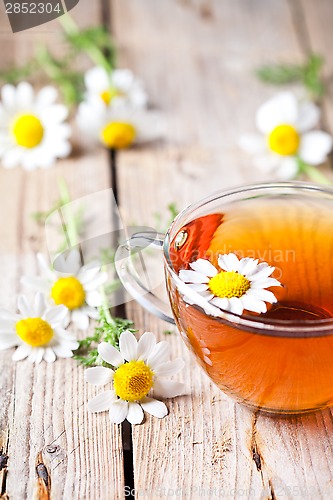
309, 74
106, 331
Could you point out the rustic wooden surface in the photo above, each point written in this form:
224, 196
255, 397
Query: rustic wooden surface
197, 59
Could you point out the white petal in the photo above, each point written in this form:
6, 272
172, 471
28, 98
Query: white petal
7, 315
128, 345
24, 307
265, 295
154, 407
8, 96
22, 352
228, 262
49, 355
146, 345
192, 277
39, 354
97, 79
102, 402
110, 354
235, 305
169, 368
198, 287
168, 388
96, 282
308, 116
94, 298
204, 267
265, 283
8, 340
98, 375
24, 95
221, 303
282, 108
70, 263
62, 351
159, 355
80, 319
288, 169
36, 283
247, 266
252, 304
135, 413
45, 268
118, 411
267, 163
262, 270
92, 312
315, 147
252, 144
56, 314
54, 114
39, 305
7, 324
46, 96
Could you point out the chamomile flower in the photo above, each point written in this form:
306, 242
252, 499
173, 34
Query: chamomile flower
238, 284
72, 285
287, 139
38, 330
140, 367
32, 129
118, 126
120, 84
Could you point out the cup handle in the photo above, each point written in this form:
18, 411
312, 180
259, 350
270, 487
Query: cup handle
130, 279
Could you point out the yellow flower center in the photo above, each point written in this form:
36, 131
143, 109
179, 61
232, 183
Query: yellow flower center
284, 140
28, 131
69, 292
109, 94
229, 284
34, 331
133, 380
117, 135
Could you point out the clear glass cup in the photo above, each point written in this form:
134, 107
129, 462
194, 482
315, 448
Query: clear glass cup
282, 366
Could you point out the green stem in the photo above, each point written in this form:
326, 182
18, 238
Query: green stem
96, 55
315, 174
66, 205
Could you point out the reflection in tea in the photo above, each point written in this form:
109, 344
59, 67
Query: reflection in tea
295, 235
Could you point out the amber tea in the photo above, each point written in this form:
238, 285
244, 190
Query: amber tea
281, 373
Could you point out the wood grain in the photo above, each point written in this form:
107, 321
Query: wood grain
43, 410
197, 59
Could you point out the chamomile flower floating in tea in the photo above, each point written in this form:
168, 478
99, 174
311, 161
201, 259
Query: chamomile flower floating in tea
287, 143
140, 367
118, 126
119, 84
32, 129
74, 286
38, 331
238, 284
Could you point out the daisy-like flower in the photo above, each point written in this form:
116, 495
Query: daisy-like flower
239, 283
287, 141
32, 129
119, 84
118, 126
38, 331
140, 367
71, 285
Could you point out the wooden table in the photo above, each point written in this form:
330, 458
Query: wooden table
197, 59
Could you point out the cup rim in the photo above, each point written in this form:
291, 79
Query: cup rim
257, 323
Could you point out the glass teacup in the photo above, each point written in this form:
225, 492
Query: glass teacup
279, 361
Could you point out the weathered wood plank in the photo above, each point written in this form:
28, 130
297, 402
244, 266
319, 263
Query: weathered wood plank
44, 408
197, 60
